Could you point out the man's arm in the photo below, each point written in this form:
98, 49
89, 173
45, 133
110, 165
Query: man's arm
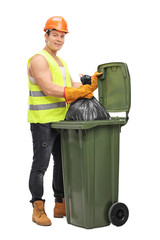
39, 69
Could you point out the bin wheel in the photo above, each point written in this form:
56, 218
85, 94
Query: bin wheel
118, 214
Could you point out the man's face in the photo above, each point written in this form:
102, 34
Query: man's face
55, 40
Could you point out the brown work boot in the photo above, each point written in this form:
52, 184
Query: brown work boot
39, 216
59, 209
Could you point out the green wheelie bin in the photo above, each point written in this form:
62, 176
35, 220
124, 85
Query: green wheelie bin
90, 155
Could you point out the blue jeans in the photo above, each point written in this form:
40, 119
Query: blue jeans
46, 141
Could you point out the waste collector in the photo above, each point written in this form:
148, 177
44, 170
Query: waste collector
51, 89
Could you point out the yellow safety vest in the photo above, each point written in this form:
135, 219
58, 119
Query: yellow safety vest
42, 108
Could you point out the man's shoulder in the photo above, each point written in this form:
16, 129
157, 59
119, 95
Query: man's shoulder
38, 59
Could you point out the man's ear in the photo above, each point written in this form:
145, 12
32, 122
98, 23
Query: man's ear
46, 37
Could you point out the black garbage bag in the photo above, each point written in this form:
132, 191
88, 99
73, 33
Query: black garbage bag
85, 109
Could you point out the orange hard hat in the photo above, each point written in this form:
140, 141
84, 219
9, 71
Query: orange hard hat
57, 23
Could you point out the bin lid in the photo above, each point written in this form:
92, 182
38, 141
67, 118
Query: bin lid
114, 87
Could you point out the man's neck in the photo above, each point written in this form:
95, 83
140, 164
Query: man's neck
50, 51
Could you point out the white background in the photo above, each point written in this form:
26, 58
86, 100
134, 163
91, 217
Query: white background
101, 31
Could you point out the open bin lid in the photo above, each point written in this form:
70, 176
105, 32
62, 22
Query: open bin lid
114, 89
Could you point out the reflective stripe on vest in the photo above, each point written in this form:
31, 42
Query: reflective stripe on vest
44, 106
36, 94
47, 106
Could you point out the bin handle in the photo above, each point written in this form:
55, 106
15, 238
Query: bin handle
101, 77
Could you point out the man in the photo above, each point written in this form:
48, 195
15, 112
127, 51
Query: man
50, 90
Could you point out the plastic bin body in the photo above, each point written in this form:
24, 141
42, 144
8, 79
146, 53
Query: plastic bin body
90, 153
90, 158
